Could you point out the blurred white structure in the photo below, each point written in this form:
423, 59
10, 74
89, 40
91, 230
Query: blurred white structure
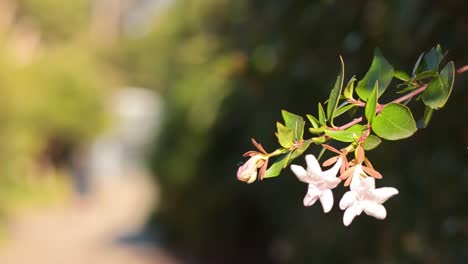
136, 115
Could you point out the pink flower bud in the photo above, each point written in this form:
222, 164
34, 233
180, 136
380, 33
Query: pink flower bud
248, 171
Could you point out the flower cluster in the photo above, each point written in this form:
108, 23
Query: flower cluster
429, 83
362, 196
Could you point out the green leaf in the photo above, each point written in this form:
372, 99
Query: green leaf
321, 153
371, 142
401, 75
349, 135
285, 135
278, 166
335, 93
319, 140
394, 122
349, 89
295, 123
313, 121
433, 58
438, 90
343, 109
416, 65
371, 105
322, 118
380, 70
316, 130
424, 122
425, 74
296, 153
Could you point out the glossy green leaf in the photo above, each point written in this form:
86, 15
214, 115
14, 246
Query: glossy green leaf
343, 109
438, 90
313, 121
321, 112
349, 135
371, 142
394, 122
335, 93
380, 70
401, 75
321, 153
276, 168
371, 105
295, 123
349, 89
285, 135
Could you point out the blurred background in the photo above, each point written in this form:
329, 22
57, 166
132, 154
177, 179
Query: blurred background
124, 121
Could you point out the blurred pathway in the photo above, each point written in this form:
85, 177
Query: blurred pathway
87, 233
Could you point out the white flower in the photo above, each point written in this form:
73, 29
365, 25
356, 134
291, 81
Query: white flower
363, 196
320, 182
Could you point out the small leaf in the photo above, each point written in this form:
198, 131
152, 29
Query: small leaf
321, 112
349, 89
335, 93
394, 122
316, 130
285, 135
438, 90
295, 123
433, 58
276, 168
371, 105
349, 135
313, 121
425, 75
416, 65
424, 122
343, 109
380, 70
321, 153
401, 75
319, 140
371, 142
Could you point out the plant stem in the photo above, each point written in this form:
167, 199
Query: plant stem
409, 95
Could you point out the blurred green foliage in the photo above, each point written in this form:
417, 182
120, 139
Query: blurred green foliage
52, 87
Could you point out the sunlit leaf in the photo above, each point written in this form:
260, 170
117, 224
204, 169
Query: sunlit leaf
438, 90
394, 122
335, 93
371, 105
371, 142
380, 70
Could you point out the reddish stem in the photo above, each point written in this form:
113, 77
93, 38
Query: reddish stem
409, 95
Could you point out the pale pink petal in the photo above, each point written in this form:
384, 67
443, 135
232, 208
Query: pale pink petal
312, 165
374, 209
349, 215
300, 172
327, 200
348, 199
312, 195
331, 173
356, 181
383, 194
331, 183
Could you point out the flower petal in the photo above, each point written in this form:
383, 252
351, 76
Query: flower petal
333, 170
312, 195
349, 215
312, 165
300, 172
330, 182
383, 194
374, 209
327, 200
348, 199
